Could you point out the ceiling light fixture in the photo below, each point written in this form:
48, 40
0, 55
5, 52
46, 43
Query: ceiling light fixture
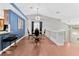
37, 16
57, 12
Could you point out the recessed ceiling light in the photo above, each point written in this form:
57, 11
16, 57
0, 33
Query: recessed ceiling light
31, 7
57, 12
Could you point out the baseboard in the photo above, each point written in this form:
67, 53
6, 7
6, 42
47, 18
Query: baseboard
12, 44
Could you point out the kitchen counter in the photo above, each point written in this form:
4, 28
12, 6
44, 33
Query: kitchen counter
3, 32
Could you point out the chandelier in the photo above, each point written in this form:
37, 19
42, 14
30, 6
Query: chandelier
37, 17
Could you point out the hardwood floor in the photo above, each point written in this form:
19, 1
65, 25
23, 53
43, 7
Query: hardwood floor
44, 48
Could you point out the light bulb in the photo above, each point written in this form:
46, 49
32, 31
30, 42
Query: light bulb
37, 18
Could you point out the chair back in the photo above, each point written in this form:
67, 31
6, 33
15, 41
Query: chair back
36, 32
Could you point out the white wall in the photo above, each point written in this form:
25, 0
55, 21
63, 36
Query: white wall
28, 25
57, 29
49, 23
2, 7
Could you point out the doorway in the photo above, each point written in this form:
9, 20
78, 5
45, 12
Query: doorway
37, 24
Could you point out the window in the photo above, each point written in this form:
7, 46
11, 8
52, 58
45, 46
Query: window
36, 25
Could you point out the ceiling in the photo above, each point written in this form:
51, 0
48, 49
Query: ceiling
67, 12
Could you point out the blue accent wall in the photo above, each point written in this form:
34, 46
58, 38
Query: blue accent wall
13, 21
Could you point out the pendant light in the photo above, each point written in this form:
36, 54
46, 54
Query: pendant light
37, 15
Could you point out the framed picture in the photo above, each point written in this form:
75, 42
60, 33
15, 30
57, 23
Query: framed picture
20, 24
1, 24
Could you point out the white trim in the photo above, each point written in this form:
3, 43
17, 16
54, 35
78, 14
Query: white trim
25, 27
11, 45
58, 44
57, 31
